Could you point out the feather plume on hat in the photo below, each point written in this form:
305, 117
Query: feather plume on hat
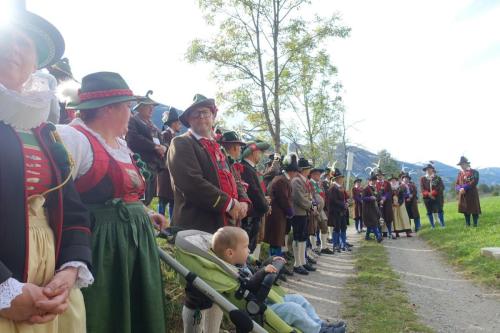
67, 92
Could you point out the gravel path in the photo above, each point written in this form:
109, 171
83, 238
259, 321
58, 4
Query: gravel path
324, 287
444, 300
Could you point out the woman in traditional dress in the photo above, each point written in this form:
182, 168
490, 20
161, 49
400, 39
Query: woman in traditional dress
401, 219
45, 229
127, 294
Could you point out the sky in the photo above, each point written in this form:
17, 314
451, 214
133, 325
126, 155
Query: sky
421, 78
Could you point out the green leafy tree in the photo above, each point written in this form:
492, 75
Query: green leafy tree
256, 43
387, 164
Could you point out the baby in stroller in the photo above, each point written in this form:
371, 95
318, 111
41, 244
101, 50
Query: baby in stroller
231, 245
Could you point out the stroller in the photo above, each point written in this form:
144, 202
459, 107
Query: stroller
192, 250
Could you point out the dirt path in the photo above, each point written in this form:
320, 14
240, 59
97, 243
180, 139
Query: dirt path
444, 300
324, 288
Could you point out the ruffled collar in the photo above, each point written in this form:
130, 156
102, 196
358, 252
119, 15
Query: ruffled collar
27, 109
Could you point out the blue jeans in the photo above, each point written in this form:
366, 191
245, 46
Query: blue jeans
297, 312
375, 230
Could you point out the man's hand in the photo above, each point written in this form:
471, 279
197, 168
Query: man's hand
243, 210
236, 210
270, 269
462, 190
160, 150
23, 307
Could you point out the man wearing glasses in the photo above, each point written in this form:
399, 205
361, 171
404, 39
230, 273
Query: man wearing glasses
206, 196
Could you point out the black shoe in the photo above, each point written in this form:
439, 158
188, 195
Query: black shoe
317, 251
337, 324
300, 270
379, 240
327, 251
282, 278
309, 267
349, 244
336, 249
311, 261
347, 248
286, 271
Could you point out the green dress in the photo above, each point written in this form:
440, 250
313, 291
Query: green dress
127, 294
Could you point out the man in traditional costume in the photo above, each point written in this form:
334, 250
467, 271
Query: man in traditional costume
302, 207
411, 201
357, 196
319, 196
171, 128
272, 168
432, 189
250, 157
399, 196
468, 197
145, 139
371, 212
385, 203
338, 211
206, 196
61, 71
45, 252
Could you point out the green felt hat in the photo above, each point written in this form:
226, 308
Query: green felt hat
198, 101
231, 137
101, 89
253, 146
146, 100
48, 41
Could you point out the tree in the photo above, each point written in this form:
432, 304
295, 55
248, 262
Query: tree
252, 52
387, 164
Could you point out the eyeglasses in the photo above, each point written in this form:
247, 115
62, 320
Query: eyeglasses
201, 114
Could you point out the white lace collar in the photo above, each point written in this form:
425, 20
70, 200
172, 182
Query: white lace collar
27, 109
122, 153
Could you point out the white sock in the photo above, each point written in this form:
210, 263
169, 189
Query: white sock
330, 230
324, 242
213, 319
302, 253
295, 248
189, 322
312, 239
436, 218
256, 252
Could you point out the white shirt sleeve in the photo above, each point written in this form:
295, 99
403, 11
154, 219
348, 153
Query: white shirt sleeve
78, 146
84, 277
9, 289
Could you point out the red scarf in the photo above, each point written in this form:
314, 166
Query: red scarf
226, 179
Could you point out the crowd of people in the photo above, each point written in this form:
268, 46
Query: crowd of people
77, 248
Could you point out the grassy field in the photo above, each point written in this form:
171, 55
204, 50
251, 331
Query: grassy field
462, 245
376, 301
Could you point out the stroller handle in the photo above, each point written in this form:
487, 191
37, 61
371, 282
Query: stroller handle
239, 318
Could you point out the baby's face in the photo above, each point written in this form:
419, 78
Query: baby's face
240, 254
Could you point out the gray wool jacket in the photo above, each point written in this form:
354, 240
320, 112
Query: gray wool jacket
301, 196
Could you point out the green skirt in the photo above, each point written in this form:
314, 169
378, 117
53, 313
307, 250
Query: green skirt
127, 294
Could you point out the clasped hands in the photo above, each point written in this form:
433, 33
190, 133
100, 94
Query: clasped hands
38, 305
239, 210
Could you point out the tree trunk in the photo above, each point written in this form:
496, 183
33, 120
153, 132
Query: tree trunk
277, 122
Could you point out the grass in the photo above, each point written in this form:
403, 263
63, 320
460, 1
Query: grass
376, 301
462, 245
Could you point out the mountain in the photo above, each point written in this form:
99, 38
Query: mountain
364, 158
